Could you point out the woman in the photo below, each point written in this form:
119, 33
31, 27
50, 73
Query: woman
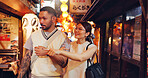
78, 54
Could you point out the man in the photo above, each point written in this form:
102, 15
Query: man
43, 66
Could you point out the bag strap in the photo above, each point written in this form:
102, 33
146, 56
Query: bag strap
89, 58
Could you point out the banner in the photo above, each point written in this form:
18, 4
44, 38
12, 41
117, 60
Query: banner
4, 37
79, 6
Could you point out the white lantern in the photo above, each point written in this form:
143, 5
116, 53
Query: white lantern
64, 7
64, 14
64, 1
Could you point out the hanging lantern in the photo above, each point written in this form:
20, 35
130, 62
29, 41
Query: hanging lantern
64, 7
64, 14
63, 1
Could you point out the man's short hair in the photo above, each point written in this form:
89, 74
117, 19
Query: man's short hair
50, 10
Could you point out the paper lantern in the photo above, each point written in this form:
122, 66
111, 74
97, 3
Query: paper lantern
64, 14
64, 1
64, 7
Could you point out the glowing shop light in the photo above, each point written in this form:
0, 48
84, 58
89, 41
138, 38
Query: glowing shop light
64, 1
64, 7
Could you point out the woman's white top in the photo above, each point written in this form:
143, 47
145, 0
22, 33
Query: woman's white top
76, 69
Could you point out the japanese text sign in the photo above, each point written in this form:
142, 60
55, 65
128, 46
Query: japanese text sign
79, 6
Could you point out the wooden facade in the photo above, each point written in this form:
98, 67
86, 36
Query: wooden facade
113, 17
18, 8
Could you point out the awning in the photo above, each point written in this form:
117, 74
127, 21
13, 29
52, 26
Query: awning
104, 10
15, 7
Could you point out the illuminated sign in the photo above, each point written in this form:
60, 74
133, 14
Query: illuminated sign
79, 6
50, 3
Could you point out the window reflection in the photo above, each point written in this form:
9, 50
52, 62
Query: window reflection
132, 34
117, 29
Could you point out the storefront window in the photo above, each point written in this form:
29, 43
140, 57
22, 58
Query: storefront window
8, 32
132, 34
109, 35
117, 29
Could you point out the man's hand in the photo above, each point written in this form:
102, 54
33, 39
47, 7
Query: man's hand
41, 51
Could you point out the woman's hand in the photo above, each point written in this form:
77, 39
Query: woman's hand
52, 52
41, 51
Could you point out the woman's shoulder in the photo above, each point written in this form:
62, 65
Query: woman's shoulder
92, 45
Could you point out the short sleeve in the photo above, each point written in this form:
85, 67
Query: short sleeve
66, 44
29, 44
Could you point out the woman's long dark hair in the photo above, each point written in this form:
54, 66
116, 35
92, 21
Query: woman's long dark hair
88, 28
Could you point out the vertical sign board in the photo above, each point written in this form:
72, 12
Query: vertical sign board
79, 6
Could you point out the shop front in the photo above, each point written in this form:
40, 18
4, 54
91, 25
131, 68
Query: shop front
11, 34
123, 25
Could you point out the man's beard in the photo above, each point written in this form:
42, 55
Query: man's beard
46, 28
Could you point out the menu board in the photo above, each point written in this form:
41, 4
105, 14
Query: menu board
8, 32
